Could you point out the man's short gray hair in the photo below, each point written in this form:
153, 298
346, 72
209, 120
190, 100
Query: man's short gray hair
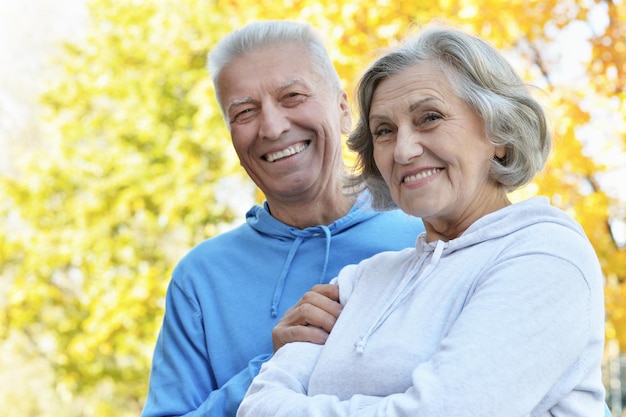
262, 34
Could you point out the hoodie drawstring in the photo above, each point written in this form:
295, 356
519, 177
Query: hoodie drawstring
300, 235
280, 284
327, 234
404, 289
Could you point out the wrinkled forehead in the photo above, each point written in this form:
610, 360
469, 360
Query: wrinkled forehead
266, 69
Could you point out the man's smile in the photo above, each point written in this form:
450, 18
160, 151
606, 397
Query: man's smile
291, 150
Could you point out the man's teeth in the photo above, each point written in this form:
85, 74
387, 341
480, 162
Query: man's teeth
292, 150
421, 175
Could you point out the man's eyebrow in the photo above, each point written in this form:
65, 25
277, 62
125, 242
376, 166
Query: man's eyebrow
246, 100
289, 83
237, 102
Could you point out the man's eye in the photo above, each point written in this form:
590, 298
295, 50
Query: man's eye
242, 115
293, 98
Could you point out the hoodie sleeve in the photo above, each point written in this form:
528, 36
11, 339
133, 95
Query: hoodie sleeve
281, 387
181, 356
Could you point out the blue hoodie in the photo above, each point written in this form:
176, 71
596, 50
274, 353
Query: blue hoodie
227, 294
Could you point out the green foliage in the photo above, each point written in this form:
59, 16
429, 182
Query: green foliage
125, 182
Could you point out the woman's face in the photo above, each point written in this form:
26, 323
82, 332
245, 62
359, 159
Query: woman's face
432, 151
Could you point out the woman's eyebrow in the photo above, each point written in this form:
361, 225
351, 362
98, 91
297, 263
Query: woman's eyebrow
421, 102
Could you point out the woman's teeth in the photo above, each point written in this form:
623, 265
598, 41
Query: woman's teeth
421, 175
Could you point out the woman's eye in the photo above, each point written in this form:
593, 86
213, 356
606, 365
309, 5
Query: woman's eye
381, 131
381, 134
431, 117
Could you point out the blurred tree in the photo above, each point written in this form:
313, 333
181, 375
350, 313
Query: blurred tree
127, 179
109, 204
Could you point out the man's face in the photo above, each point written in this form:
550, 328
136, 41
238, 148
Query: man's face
285, 122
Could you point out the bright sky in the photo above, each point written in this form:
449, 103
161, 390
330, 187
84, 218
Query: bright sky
29, 32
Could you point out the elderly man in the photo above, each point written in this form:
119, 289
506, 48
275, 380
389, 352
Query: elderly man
286, 112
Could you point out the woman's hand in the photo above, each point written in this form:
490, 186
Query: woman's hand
311, 319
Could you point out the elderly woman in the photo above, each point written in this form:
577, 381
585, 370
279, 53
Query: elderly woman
498, 310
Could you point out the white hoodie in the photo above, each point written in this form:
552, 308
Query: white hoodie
506, 320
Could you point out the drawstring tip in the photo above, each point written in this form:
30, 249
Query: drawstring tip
273, 312
359, 346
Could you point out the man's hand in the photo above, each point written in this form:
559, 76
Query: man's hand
311, 319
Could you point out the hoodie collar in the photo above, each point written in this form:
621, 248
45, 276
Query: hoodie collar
298, 237
260, 219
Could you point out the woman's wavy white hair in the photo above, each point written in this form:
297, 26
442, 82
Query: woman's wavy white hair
484, 80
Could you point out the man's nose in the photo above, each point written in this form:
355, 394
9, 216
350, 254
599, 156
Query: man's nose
274, 122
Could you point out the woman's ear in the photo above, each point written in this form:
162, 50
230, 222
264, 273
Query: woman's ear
500, 152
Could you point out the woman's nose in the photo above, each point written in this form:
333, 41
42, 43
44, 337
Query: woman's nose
408, 146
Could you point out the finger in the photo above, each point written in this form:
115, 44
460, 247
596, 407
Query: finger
324, 318
328, 290
311, 319
299, 313
321, 301
283, 335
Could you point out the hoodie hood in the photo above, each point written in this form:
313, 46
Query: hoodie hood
505, 222
260, 219
513, 218
495, 225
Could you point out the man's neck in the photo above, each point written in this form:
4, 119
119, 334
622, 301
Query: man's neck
321, 211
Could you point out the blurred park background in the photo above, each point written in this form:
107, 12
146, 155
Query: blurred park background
114, 161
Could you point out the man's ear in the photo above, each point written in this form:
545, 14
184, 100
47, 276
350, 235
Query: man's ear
346, 115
